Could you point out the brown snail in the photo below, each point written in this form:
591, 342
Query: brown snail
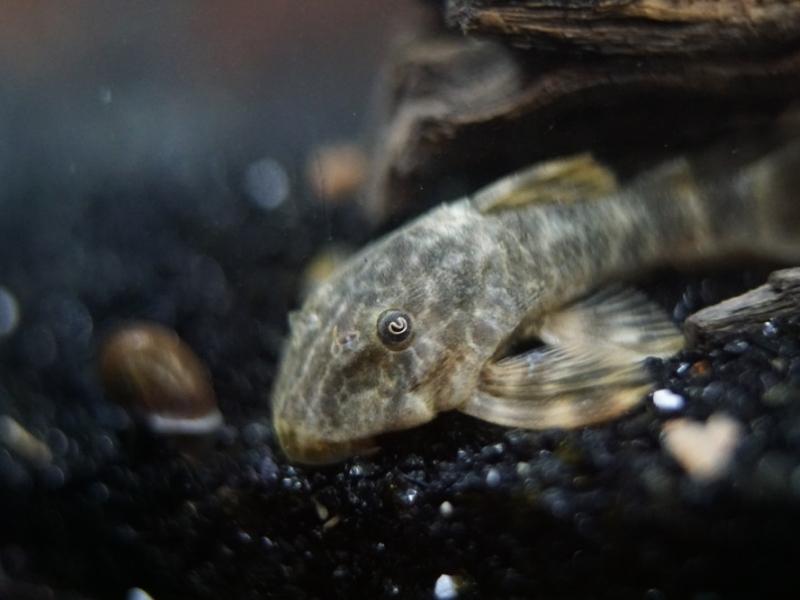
150, 371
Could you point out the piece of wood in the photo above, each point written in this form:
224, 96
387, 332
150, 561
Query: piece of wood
460, 113
633, 27
779, 297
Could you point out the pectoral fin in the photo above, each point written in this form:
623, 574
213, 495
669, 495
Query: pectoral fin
615, 316
558, 387
560, 180
590, 369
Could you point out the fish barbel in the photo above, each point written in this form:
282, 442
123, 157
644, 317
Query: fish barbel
430, 318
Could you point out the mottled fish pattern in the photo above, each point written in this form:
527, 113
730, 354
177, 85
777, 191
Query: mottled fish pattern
432, 317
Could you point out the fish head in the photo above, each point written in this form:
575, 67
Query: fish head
381, 346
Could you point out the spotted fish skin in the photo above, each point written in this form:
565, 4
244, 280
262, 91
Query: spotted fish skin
476, 275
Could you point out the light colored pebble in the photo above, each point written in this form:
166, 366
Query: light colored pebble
138, 594
322, 510
493, 477
409, 496
704, 450
445, 588
23, 443
668, 400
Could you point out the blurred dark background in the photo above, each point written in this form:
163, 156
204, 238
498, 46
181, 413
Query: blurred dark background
152, 161
117, 89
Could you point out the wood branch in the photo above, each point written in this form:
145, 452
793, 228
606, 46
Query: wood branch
779, 297
461, 113
633, 27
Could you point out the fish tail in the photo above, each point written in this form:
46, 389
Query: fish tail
769, 194
734, 199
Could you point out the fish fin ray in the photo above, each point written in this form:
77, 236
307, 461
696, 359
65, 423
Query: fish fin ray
590, 368
555, 181
564, 387
545, 373
617, 317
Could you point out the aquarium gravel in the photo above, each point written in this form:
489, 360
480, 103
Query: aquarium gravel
601, 512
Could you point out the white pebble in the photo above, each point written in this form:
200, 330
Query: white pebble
446, 509
493, 477
409, 496
769, 329
445, 588
667, 400
138, 594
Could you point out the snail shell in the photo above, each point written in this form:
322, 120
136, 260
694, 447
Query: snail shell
150, 371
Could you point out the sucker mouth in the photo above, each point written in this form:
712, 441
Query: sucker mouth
315, 451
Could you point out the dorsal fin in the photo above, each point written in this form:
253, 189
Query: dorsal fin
559, 180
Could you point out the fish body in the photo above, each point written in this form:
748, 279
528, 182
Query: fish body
429, 318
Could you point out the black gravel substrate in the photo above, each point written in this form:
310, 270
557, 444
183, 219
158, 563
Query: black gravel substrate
602, 512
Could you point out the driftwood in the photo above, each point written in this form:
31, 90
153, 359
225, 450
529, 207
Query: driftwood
779, 297
633, 27
458, 112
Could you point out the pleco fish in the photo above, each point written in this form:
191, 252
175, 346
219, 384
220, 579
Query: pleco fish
502, 305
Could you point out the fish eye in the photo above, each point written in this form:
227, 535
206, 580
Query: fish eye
394, 329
